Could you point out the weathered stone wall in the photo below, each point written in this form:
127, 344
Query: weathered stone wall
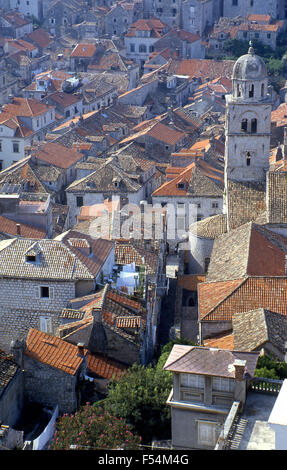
49, 386
20, 309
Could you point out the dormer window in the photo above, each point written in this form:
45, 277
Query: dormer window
181, 185
31, 258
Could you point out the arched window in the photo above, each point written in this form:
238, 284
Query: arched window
253, 126
238, 91
142, 48
251, 91
244, 123
248, 159
262, 89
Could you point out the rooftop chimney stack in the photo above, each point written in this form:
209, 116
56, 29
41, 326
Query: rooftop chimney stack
239, 366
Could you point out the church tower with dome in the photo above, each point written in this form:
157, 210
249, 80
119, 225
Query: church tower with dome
248, 112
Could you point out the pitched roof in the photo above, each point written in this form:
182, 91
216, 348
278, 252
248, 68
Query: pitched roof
56, 259
198, 179
165, 134
103, 179
58, 155
204, 68
209, 361
248, 250
277, 197
11, 227
225, 341
210, 227
23, 107
263, 326
53, 351
104, 367
220, 300
40, 37
64, 99
92, 252
245, 202
84, 50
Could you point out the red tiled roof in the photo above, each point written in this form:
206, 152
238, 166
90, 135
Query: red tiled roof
104, 367
165, 134
58, 155
204, 68
221, 300
223, 342
84, 50
53, 351
64, 99
23, 107
27, 231
40, 37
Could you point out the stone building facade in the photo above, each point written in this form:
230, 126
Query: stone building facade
36, 300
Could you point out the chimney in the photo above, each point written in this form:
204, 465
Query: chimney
239, 366
18, 228
80, 349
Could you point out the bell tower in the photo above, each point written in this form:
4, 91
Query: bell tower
248, 112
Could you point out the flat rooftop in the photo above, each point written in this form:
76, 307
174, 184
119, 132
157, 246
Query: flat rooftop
252, 431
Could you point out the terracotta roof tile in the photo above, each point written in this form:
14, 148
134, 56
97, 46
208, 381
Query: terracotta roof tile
105, 367
221, 300
58, 155
84, 50
53, 351
27, 231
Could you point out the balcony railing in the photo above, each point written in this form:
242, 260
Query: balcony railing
263, 385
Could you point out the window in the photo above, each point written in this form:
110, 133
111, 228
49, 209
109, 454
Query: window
1, 165
132, 48
181, 185
268, 35
248, 159
44, 292
68, 113
80, 201
214, 205
180, 221
15, 147
142, 48
192, 380
238, 91
31, 258
244, 125
262, 89
251, 91
0, 146
221, 384
253, 126
234, 3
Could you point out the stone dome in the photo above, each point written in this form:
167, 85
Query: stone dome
249, 67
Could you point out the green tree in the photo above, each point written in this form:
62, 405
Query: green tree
93, 427
271, 368
140, 397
